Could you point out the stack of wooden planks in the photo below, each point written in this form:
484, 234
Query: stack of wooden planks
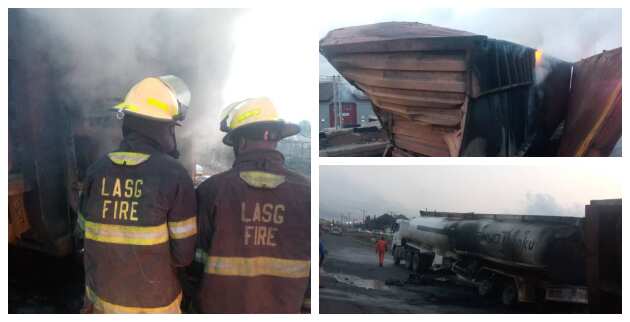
422, 89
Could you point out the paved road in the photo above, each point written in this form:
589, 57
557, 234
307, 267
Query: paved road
352, 282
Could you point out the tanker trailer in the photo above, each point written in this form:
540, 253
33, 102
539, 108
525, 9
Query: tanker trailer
518, 258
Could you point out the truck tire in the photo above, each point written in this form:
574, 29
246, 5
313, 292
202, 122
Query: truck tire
485, 288
509, 294
396, 253
415, 263
409, 259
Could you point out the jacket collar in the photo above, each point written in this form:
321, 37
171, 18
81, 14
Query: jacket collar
138, 143
259, 159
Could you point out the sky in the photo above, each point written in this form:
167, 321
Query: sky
568, 34
506, 189
272, 57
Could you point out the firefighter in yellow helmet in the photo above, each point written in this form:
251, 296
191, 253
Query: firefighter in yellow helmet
137, 207
254, 219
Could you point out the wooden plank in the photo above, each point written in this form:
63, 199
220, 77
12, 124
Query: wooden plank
419, 103
414, 98
453, 141
398, 121
428, 96
410, 61
446, 117
427, 81
430, 138
408, 143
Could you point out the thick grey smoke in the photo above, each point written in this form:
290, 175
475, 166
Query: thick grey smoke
567, 34
546, 204
101, 53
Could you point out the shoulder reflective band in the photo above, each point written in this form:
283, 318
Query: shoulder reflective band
126, 235
183, 229
107, 307
258, 266
260, 179
128, 158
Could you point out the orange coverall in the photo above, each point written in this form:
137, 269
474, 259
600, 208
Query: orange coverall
381, 248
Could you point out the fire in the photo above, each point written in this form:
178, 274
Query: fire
538, 56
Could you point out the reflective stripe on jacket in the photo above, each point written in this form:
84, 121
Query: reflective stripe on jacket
138, 215
254, 237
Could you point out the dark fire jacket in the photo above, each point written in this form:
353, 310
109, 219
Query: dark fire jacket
137, 213
254, 237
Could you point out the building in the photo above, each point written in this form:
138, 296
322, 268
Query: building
356, 108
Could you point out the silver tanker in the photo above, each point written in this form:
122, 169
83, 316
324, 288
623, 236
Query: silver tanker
519, 258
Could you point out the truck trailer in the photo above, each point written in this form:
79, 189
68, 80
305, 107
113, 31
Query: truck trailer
516, 258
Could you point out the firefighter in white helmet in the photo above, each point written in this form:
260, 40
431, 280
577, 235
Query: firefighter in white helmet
137, 208
254, 219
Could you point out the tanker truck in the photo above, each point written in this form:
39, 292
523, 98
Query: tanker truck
515, 258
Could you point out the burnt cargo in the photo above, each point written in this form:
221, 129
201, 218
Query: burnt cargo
444, 92
593, 123
603, 255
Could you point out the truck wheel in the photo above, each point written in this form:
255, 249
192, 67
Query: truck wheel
509, 295
415, 263
409, 260
485, 288
396, 254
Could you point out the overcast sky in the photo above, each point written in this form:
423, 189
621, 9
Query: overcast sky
534, 190
569, 34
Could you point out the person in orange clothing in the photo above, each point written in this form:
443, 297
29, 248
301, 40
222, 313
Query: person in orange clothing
381, 248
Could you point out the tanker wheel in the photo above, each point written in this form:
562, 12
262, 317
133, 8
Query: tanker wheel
415, 263
509, 294
485, 288
396, 256
409, 260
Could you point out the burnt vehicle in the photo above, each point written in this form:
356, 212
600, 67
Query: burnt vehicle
517, 258
445, 92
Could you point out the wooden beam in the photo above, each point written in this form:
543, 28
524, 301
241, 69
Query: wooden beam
409, 61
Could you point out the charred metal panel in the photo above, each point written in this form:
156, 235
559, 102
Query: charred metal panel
593, 123
498, 124
603, 255
498, 65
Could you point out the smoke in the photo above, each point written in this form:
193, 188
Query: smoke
546, 204
567, 34
98, 54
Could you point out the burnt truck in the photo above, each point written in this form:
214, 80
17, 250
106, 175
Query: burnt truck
516, 258
445, 92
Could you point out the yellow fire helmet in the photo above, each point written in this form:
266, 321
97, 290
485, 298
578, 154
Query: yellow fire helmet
161, 98
253, 112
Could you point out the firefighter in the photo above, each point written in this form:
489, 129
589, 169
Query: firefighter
381, 248
138, 207
254, 220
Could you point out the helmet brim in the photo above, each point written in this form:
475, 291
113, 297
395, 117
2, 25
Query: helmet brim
286, 130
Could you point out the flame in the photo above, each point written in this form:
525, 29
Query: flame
538, 56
